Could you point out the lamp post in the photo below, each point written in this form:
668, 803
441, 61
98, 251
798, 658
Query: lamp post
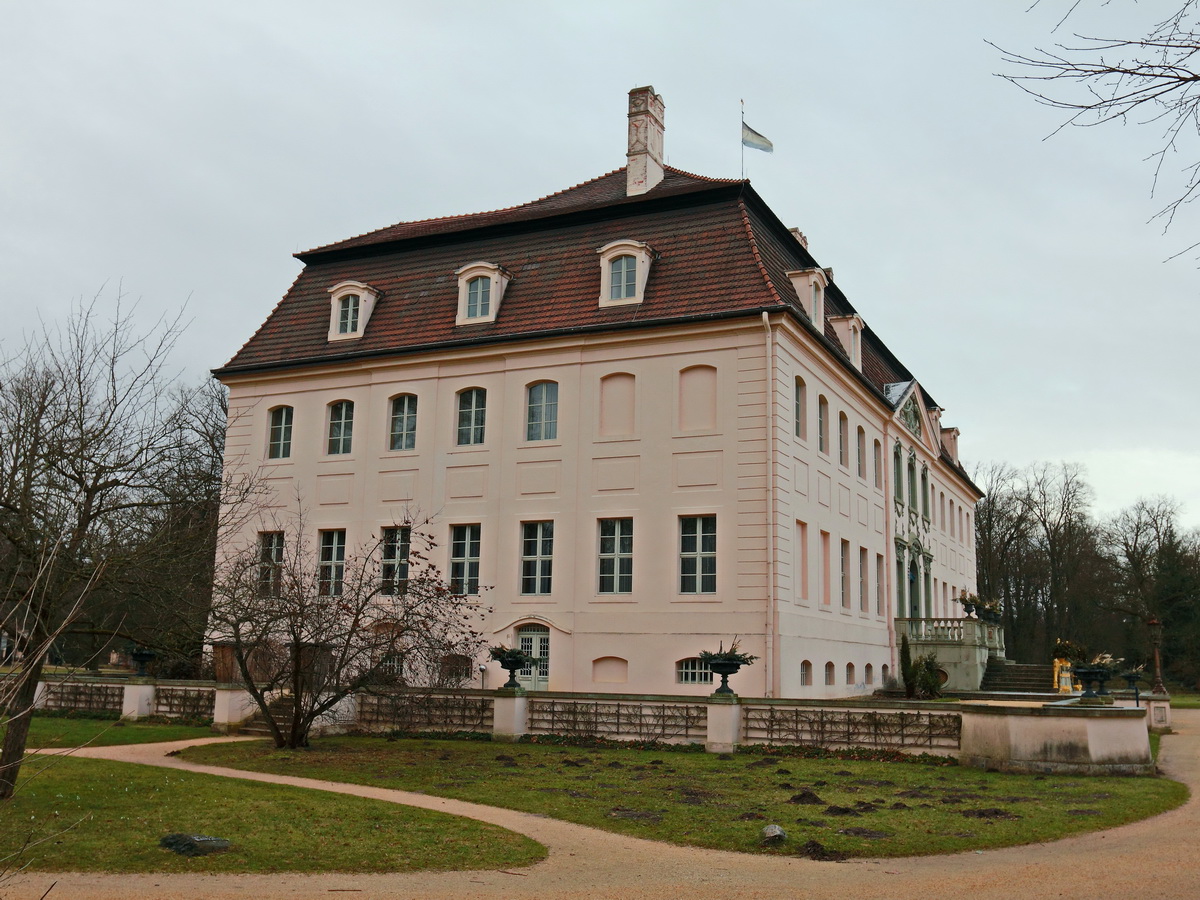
1156, 636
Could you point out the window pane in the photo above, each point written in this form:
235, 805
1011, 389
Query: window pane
404, 423
280, 446
341, 426
698, 554
615, 563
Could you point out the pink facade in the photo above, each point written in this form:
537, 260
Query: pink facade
638, 462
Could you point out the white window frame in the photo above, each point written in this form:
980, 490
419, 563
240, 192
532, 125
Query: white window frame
270, 563
465, 547
537, 558
498, 279
695, 552
692, 670
395, 545
367, 296
345, 429
331, 568
402, 412
541, 411
279, 432
475, 427
615, 558
643, 256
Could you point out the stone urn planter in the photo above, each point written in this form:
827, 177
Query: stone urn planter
725, 663
512, 660
141, 656
1093, 675
724, 668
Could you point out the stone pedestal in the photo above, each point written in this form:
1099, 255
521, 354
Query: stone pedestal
510, 715
724, 731
138, 701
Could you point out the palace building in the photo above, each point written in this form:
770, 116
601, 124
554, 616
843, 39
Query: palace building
638, 412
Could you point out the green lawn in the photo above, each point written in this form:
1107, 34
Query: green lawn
54, 731
862, 808
100, 816
1185, 701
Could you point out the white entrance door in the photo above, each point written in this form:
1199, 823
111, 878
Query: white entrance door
535, 640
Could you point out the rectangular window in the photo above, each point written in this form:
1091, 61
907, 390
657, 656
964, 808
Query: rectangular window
537, 557
800, 413
464, 559
394, 548
270, 563
693, 671
698, 554
280, 445
472, 411
845, 560
623, 278
801, 561
616, 556
541, 412
825, 587
479, 297
332, 567
843, 441
880, 581
341, 426
822, 424
403, 430
348, 314
861, 450
864, 592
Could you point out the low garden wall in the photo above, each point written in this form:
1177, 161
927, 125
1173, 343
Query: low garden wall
934, 730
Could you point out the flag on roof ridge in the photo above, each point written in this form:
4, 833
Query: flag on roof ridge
754, 140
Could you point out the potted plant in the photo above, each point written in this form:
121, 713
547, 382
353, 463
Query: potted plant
970, 602
512, 659
725, 663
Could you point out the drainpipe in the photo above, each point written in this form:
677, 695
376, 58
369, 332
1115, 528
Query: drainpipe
889, 547
771, 660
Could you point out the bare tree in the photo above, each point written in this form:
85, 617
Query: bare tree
1152, 79
90, 423
307, 627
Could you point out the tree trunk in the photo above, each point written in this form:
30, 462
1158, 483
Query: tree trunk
20, 711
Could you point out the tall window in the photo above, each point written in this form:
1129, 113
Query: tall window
616, 556
698, 555
912, 482
825, 572
541, 412
925, 492
878, 451
479, 297
822, 424
845, 574
331, 568
800, 413
403, 426
347, 321
849, 673
270, 563
806, 672
801, 574
898, 472
623, 278
879, 583
537, 557
830, 673
472, 410
394, 549
861, 450
280, 444
864, 592
843, 441
341, 426
464, 559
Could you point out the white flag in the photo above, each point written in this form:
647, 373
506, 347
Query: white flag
754, 140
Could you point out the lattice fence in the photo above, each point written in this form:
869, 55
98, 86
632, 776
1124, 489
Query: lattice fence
821, 727
184, 703
423, 711
631, 720
83, 697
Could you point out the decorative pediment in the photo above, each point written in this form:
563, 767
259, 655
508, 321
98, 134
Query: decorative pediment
913, 413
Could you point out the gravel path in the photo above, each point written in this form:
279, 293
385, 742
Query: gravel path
1146, 859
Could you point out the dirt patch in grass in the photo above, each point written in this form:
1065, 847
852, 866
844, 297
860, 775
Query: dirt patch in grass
703, 799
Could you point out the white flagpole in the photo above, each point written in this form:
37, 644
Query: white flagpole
741, 142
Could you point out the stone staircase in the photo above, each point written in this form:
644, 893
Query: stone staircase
281, 711
1017, 678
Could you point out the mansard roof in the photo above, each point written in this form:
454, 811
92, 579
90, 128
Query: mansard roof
719, 252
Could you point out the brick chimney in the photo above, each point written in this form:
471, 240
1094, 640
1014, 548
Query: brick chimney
645, 167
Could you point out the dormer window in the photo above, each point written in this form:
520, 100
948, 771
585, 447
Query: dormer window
480, 290
624, 269
351, 304
810, 285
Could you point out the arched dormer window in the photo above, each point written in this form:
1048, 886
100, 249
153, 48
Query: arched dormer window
624, 270
350, 308
481, 287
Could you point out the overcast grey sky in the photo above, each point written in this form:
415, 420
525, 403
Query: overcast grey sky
184, 151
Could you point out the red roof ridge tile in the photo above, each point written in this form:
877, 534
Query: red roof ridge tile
762, 269
677, 171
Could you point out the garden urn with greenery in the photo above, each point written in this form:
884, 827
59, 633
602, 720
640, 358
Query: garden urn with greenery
725, 663
512, 660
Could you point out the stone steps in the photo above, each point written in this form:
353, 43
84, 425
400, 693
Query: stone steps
1018, 678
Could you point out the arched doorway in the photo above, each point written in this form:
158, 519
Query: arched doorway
535, 640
